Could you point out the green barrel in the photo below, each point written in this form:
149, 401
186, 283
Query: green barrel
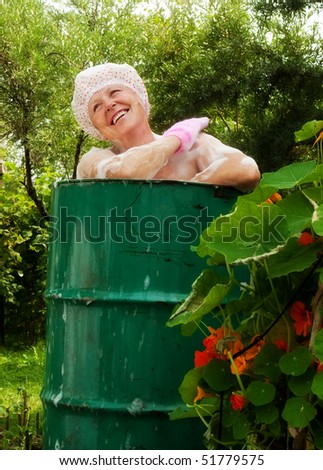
119, 260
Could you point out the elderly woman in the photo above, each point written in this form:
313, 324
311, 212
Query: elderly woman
110, 103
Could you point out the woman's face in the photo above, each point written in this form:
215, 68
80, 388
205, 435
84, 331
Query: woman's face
115, 111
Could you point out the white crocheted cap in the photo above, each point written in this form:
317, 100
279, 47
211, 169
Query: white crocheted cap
94, 79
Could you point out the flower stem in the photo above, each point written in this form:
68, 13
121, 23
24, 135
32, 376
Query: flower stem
272, 286
236, 373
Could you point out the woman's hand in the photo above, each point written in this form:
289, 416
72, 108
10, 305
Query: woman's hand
187, 132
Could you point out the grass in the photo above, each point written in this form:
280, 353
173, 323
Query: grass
21, 378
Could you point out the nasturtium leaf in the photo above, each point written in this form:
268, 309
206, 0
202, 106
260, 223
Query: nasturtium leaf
315, 193
260, 393
292, 258
251, 231
308, 130
317, 221
288, 176
298, 211
241, 427
259, 195
295, 362
316, 430
218, 375
208, 291
275, 428
180, 413
229, 415
317, 385
298, 412
188, 387
301, 384
266, 362
315, 176
266, 413
318, 345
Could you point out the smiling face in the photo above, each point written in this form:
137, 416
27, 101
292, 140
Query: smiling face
117, 112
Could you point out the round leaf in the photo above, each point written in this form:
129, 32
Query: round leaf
301, 385
188, 388
298, 412
318, 345
296, 362
266, 362
218, 375
241, 427
267, 413
260, 393
317, 385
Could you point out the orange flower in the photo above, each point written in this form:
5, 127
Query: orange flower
202, 358
211, 341
302, 318
202, 394
305, 239
254, 350
320, 137
319, 366
276, 197
238, 401
240, 361
240, 364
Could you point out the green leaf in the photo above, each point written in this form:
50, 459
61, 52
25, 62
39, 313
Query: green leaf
241, 427
188, 387
298, 211
309, 129
288, 176
183, 413
317, 221
295, 362
260, 393
317, 432
207, 293
298, 412
318, 345
292, 258
229, 415
218, 375
317, 385
259, 194
248, 232
266, 362
266, 413
315, 193
301, 385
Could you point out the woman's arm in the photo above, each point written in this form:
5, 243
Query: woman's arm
223, 165
138, 162
144, 161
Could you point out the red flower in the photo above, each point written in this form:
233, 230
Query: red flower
305, 239
281, 344
201, 358
302, 318
238, 401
